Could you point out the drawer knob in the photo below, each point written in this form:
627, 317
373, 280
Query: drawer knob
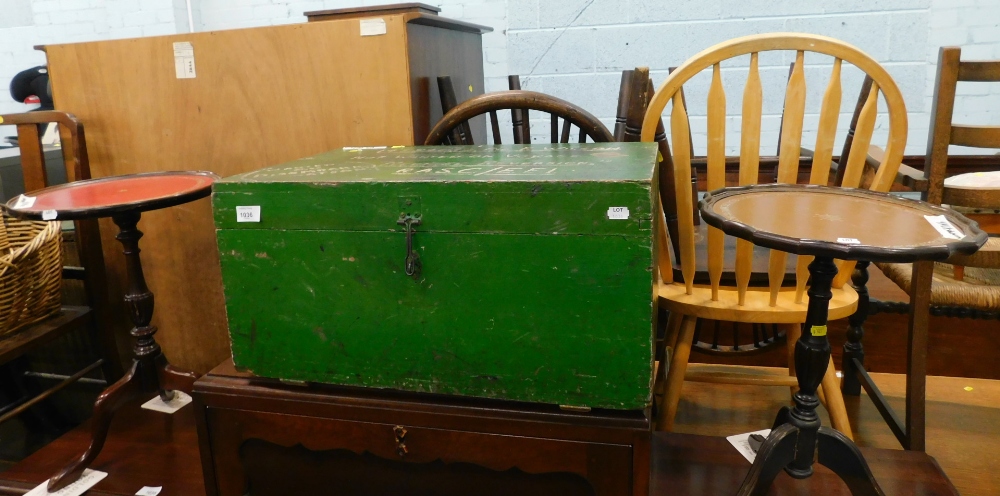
400, 433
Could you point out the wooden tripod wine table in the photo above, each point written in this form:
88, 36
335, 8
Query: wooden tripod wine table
123, 198
829, 223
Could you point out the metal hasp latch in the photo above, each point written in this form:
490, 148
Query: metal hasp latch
412, 263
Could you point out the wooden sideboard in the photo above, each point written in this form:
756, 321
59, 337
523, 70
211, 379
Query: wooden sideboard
260, 96
261, 436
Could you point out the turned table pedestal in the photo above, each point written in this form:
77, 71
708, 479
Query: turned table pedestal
828, 224
123, 198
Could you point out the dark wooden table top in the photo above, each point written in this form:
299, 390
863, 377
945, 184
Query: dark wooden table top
144, 448
107, 196
702, 465
850, 224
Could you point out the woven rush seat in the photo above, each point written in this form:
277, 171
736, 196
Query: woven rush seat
979, 289
988, 257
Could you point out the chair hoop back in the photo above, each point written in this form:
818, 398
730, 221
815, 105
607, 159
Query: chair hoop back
518, 99
790, 143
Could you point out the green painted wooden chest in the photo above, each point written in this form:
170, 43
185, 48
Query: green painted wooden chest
516, 272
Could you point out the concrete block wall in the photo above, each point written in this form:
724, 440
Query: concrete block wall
68, 21
576, 49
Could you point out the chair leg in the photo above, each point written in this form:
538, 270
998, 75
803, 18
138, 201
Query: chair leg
853, 349
669, 344
675, 374
835, 402
792, 334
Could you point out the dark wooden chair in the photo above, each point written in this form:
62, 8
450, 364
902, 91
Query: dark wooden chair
90, 271
451, 128
519, 117
936, 288
975, 194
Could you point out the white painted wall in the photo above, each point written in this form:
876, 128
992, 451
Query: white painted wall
576, 49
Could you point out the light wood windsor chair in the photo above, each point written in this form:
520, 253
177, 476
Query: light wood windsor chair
687, 301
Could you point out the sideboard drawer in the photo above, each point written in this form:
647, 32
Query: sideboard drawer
377, 458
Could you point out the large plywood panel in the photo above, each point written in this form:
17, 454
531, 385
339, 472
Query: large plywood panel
261, 96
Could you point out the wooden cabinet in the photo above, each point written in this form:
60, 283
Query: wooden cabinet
259, 97
261, 437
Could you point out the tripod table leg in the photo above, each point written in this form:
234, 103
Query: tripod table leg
119, 393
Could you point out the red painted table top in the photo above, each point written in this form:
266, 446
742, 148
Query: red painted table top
111, 195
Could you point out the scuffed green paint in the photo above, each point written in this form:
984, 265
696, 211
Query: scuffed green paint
528, 291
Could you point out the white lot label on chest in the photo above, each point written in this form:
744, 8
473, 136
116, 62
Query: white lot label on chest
618, 213
248, 214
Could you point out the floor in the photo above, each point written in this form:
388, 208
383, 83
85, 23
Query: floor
963, 421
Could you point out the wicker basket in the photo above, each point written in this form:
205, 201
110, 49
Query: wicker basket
30, 272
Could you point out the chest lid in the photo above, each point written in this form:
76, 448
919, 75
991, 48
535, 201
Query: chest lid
590, 188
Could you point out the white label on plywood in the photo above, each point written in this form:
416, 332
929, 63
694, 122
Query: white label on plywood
372, 27
945, 228
184, 60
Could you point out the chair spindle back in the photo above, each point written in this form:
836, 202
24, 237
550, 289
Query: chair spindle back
790, 141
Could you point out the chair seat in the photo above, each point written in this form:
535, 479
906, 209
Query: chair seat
756, 308
979, 288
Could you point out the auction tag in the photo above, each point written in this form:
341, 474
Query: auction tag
372, 27
24, 201
944, 227
818, 330
184, 60
149, 491
49, 214
848, 241
618, 213
248, 213
157, 405
742, 443
85, 482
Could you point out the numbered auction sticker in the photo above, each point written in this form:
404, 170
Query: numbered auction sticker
944, 227
618, 213
24, 201
248, 214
